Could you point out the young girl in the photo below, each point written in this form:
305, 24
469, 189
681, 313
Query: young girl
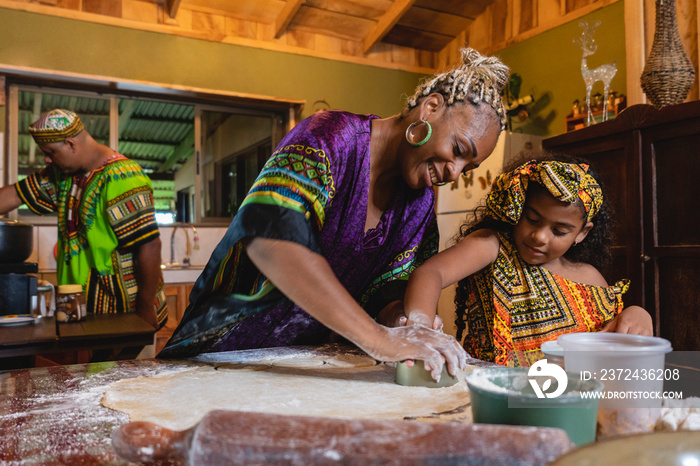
528, 269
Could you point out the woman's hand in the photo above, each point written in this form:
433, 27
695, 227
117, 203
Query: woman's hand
422, 319
633, 320
412, 342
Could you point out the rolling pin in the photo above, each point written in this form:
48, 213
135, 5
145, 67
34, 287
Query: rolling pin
232, 437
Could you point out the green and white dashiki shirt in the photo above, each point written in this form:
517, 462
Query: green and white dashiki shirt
103, 218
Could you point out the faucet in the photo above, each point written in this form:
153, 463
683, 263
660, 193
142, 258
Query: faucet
188, 251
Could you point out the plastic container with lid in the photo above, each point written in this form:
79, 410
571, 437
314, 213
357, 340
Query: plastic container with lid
553, 352
70, 303
632, 367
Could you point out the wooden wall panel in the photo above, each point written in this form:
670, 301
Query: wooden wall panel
686, 12
573, 5
426, 59
241, 28
111, 8
213, 25
527, 10
69, 4
479, 36
548, 11
137, 10
403, 54
499, 21
297, 38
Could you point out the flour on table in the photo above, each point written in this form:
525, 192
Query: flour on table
307, 360
178, 401
680, 414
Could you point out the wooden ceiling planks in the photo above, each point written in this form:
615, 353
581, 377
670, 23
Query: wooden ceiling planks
386, 22
332, 23
171, 7
265, 11
286, 16
417, 39
434, 21
468, 9
369, 9
423, 25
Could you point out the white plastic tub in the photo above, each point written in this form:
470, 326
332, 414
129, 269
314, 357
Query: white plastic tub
632, 370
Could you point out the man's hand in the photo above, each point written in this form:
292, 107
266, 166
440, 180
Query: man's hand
148, 277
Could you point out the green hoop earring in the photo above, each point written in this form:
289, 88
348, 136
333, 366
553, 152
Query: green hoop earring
425, 139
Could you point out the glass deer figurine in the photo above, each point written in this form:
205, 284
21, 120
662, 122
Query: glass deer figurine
603, 73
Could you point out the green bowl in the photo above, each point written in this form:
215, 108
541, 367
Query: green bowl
505, 396
417, 376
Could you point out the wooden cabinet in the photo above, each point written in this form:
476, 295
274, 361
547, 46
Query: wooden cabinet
649, 161
578, 121
177, 296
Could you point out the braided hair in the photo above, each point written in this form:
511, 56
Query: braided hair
478, 78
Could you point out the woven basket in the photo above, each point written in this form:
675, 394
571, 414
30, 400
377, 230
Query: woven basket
668, 73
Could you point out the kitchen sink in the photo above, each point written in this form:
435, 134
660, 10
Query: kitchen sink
181, 273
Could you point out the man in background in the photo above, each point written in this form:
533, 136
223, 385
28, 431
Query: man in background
108, 238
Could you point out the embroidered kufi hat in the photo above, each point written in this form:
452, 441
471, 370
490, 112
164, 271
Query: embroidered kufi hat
55, 126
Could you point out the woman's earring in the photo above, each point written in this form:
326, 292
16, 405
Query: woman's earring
410, 136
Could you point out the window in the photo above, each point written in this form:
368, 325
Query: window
201, 157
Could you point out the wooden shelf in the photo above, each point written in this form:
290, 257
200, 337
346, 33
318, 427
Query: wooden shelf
579, 121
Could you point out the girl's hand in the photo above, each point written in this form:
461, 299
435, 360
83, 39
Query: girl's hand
422, 319
418, 342
633, 320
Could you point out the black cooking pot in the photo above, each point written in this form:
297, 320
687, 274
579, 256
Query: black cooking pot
16, 241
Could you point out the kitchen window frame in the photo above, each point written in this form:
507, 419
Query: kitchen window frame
287, 113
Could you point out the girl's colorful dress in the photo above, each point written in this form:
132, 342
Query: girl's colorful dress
511, 307
312, 191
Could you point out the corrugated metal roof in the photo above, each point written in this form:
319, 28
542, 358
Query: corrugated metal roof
150, 133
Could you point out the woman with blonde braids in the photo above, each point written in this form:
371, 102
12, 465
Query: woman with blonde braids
339, 217
527, 265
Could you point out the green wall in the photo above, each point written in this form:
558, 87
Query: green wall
53, 43
550, 64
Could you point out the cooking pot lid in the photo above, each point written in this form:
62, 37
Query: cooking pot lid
22, 267
11, 222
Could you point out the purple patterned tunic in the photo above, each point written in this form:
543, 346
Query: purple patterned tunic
312, 191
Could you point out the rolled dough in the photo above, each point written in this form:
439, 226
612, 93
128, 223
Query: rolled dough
178, 401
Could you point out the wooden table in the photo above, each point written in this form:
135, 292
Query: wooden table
53, 415
97, 331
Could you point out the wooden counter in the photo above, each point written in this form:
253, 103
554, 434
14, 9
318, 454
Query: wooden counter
53, 415
96, 332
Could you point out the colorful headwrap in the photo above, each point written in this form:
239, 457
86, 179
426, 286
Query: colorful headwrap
55, 126
567, 182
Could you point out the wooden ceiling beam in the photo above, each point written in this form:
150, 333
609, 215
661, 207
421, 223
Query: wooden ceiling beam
171, 7
386, 22
286, 16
